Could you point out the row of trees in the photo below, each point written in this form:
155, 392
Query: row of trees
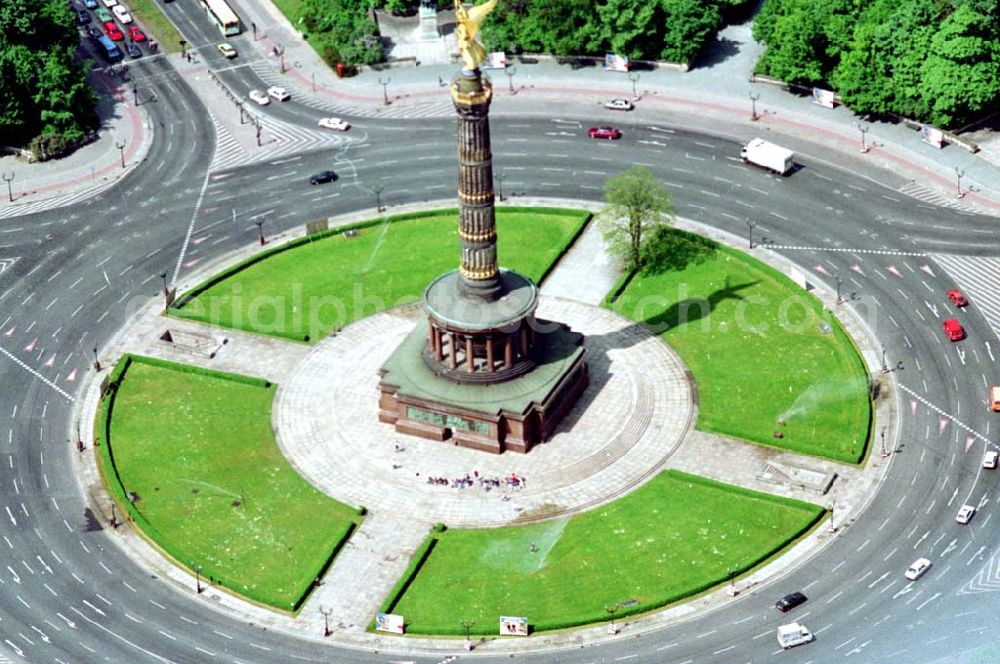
45, 100
936, 61
672, 30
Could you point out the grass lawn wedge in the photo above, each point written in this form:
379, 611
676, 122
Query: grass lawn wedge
674, 537
771, 365
191, 456
306, 290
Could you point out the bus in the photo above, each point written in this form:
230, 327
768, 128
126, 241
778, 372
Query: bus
109, 49
223, 16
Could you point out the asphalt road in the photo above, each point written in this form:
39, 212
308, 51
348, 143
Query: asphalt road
71, 596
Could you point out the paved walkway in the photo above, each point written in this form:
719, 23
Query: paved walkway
586, 273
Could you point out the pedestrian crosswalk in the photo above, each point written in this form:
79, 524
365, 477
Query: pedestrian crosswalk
40, 205
927, 195
977, 278
441, 108
277, 138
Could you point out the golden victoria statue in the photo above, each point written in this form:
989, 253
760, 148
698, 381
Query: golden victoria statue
469, 21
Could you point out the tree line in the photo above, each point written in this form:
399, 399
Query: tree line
671, 30
46, 102
936, 61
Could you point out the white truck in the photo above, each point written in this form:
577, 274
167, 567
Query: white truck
793, 634
768, 155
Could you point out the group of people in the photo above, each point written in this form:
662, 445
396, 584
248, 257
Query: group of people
512, 481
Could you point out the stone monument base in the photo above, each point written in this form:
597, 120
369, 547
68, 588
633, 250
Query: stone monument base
514, 415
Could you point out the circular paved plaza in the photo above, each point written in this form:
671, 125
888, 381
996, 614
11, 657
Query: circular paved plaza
636, 410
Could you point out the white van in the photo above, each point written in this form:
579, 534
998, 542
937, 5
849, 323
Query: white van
793, 634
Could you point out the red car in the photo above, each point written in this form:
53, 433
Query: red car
112, 31
136, 34
609, 133
953, 329
957, 298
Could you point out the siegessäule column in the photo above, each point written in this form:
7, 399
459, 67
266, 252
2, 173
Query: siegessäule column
472, 95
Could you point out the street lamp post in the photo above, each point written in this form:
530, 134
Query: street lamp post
750, 226
385, 89
135, 94
8, 180
754, 96
378, 196
840, 282
499, 178
260, 232
79, 438
885, 365
326, 620
959, 172
197, 579
121, 149
510, 70
253, 26
97, 361
733, 572
884, 453
830, 527
467, 624
279, 50
163, 276
612, 609
183, 43
635, 79
114, 518
864, 130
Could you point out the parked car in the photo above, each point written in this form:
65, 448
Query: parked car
990, 459
136, 34
335, 123
112, 31
965, 513
953, 329
121, 13
957, 298
323, 176
226, 50
110, 3
133, 50
619, 104
82, 16
790, 601
917, 569
259, 97
90, 4
103, 15
610, 133
279, 93
93, 31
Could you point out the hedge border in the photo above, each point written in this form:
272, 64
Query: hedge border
819, 513
114, 486
295, 243
824, 314
403, 582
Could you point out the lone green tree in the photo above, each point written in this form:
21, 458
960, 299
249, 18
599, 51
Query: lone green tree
637, 204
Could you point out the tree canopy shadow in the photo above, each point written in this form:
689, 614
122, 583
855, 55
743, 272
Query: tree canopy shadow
692, 310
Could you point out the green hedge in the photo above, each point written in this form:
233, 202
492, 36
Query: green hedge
403, 583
